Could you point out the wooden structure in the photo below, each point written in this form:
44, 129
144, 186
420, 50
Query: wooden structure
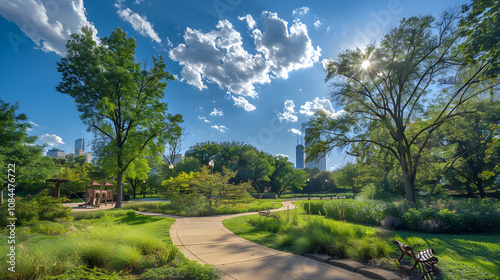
267, 214
58, 182
96, 196
425, 257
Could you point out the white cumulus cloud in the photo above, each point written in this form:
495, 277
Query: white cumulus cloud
220, 128
219, 56
203, 118
216, 112
51, 140
140, 23
295, 131
317, 24
282, 156
285, 49
49, 24
241, 102
301, 11
311, 107
288, 113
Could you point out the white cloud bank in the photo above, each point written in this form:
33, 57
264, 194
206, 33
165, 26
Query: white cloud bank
51, 140
48, 23
311, 107
140, 23
219, 57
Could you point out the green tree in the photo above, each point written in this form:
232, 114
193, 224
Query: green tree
187, 164
19, 149
493, 154
118, 101
481, 30
285, 177
348, 176
386, 88
469, 137
250, 163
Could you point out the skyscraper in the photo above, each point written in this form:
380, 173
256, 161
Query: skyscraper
319, 161
79, 147
299, 156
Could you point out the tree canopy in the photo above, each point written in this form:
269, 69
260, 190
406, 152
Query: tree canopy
386, 89
119, 100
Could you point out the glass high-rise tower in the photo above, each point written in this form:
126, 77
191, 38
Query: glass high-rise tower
79, 147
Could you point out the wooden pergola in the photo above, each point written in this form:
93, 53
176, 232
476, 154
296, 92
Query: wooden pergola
58, 182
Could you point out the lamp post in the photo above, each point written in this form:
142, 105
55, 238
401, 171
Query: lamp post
171, 167
211, 164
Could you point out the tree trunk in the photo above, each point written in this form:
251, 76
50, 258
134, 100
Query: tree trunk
119, 189
134, 188
480, 187
1, 197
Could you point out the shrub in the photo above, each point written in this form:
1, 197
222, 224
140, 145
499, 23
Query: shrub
40, 207
268, 224
473, 215
99, 214
189, 270
48, 228
95, 254
125, 256
165, 257
358, 211
391, 222
365, 251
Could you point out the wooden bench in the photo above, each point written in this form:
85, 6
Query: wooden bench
425, 257
267, 214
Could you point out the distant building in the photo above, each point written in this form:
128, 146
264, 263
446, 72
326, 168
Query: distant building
319, 161
56, 153
88, 157
299, 156
79, 147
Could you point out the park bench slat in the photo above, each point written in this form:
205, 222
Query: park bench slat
425, 257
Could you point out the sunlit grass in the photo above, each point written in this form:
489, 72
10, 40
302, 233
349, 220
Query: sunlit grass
464, 256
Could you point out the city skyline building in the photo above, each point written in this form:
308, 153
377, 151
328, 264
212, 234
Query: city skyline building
79, 147
319, 161
56, 153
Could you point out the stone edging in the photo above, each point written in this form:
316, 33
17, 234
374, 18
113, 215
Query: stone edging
355, 266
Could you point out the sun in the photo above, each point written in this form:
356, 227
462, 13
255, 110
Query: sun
365, 64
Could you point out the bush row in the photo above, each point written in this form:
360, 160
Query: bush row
471, 215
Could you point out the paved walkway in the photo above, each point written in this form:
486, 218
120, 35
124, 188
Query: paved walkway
206, 240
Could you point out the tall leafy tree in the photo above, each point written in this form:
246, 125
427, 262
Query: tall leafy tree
387, 86
119, 101
469, 137
250, 163
19, 148
481, 31
285, 177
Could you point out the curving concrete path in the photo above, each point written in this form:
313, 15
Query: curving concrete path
206, 240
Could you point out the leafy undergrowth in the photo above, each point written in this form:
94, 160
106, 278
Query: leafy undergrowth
221, 207
460, 256
100, 245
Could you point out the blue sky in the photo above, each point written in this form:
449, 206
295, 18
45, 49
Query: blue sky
248, 71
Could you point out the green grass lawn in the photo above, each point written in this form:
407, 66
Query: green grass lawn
460, 256
221, 207
108, 244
